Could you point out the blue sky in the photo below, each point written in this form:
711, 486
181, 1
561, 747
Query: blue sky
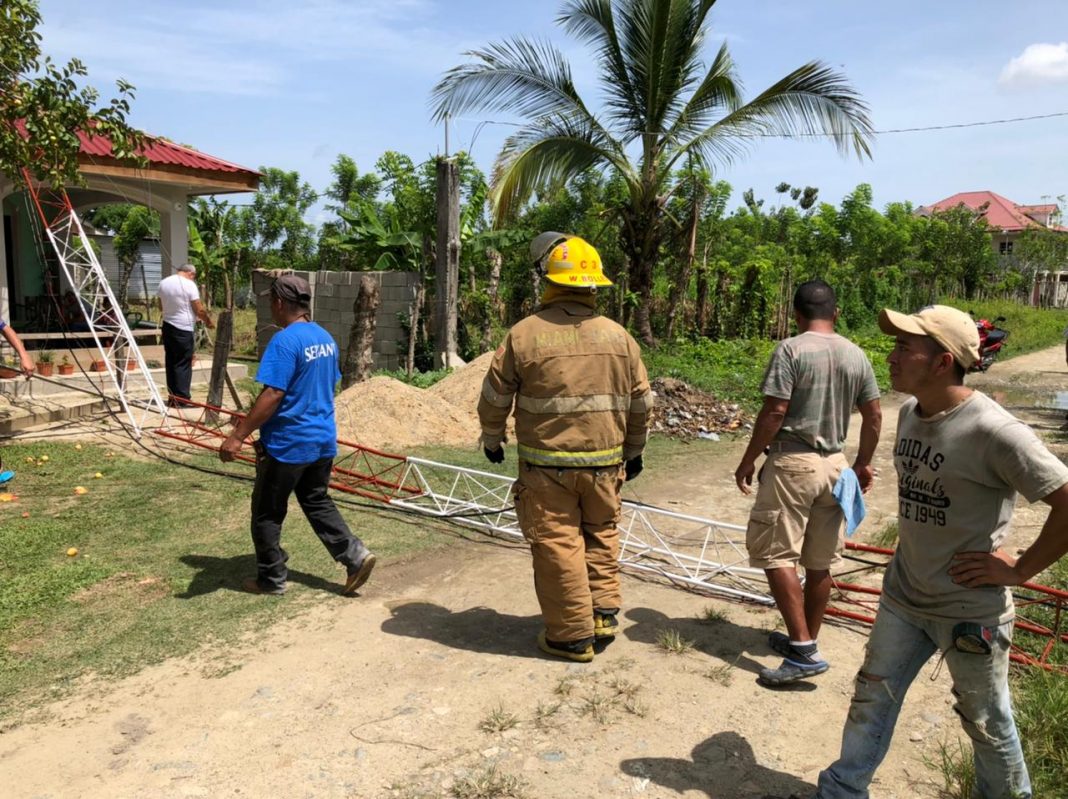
292, 84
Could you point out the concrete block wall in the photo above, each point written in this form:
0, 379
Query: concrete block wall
333, 296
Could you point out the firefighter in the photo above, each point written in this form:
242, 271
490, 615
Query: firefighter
582, 401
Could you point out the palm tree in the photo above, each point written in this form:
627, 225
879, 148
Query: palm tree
662, 104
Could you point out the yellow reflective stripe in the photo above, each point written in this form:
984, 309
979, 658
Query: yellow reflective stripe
493, 398
641, 404
548, 457
591, 404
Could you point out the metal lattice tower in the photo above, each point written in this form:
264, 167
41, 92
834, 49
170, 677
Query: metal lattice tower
126, 367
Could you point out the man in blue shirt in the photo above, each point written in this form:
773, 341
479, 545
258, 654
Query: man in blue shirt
298, 441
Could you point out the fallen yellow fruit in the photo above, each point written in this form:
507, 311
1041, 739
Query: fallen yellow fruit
81, 490
98, 475
44, 459
7, 497
72, 551
77, 446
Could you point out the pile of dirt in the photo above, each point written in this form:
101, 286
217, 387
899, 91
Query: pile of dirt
686, 412
463, 387
385, 413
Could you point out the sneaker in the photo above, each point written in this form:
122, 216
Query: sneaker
605, 625
359, 575
578, 652
796, 666
252, 586
779, 642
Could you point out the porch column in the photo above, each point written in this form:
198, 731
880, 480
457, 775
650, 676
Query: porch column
174, 236
5, 289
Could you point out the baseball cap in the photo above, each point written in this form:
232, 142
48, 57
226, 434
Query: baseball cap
290, 288
954, 330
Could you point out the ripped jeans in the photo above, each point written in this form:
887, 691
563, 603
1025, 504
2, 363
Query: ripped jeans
899, 646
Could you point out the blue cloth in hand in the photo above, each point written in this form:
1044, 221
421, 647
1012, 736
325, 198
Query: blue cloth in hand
847, 492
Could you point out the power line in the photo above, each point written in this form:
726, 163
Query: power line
917, 129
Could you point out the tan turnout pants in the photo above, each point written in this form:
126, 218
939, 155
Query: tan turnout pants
569, 517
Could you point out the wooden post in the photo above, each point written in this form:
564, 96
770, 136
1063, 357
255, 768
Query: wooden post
493, 291
447, 274
224, 336
359, 358
413, 325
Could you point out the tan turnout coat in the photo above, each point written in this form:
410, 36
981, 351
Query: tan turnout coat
579, 388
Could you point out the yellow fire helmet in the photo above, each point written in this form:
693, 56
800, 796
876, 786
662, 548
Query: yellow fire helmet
568, 260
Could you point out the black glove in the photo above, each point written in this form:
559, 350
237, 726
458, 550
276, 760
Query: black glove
633, 467
494, 455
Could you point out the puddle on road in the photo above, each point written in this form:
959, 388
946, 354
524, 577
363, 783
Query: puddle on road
1022, 399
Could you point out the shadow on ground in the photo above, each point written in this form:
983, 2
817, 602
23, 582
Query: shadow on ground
476, 629
718, 638
724, 764
226, 574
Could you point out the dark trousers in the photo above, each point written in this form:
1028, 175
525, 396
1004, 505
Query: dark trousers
275, 481
178, 358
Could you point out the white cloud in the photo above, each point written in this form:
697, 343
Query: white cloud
259, 48
1037, 65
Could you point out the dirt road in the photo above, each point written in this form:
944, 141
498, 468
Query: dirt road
432, 678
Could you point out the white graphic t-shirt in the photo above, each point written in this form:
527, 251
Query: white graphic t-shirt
958, 475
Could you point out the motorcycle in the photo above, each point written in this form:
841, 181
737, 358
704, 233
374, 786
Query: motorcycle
991, 340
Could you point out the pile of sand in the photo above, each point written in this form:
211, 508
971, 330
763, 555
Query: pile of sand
384, 413
463, 387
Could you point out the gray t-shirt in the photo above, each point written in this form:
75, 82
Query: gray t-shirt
825, 377
958, 474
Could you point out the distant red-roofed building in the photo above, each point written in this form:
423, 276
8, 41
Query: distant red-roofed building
173, 174
1007, 220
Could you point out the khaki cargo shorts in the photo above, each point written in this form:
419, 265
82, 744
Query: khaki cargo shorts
796, 519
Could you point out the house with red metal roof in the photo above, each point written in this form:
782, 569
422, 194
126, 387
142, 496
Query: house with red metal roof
1007, 220
170, 176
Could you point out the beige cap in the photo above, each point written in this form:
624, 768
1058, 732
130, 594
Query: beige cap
953, 329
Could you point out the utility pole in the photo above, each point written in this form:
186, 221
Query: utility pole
447, 271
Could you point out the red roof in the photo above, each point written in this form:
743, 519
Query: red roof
161, 151
1000, 212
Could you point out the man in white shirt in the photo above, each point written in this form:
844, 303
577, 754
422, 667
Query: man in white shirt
180, 301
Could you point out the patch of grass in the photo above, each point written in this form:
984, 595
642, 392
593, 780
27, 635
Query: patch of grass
161, 554
1041, 709
599, 707
489, 783
672, 642
635, 707
499, 720
565, 686
623, 687
418, 379
712, 614
722, 674
545, 714
954, 763
886, 537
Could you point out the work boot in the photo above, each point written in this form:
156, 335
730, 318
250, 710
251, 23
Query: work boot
605, 624
578, 651
358, 576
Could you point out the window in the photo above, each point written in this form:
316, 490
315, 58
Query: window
1005, 248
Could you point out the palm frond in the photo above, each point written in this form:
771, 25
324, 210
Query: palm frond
813, 100
527, 78
661, 42
592, 21
720, 91
546, 154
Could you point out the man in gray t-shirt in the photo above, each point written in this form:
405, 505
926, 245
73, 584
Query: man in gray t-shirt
961, 459
812, 384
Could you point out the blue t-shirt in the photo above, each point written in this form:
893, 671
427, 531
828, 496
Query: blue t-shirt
302, 361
